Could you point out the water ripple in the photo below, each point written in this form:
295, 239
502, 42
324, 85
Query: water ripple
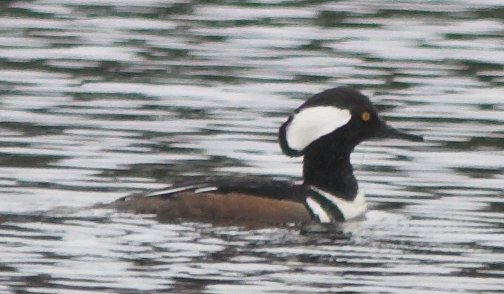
100, 99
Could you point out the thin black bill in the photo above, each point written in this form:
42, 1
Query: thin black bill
389, 132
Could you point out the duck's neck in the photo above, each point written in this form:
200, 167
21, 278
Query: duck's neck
331, 172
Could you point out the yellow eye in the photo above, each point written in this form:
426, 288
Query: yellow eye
365, 116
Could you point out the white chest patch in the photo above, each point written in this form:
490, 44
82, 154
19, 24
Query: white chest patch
318, 211
349, 209
312, 123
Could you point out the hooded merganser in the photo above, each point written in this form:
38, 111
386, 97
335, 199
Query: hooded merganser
325, 130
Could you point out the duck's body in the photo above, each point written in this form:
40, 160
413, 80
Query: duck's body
245, 202
325, 130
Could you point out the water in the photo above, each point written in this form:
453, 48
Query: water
100, 99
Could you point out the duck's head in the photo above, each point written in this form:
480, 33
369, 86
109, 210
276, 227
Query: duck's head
336, 120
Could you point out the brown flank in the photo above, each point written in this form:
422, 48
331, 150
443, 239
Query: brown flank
228, 209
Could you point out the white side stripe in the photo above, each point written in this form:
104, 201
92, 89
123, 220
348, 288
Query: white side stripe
205, 189
170, 191
318, 211
349, 209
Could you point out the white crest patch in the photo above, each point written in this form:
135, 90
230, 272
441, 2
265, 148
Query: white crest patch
314, 122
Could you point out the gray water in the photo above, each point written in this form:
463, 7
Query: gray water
103, 98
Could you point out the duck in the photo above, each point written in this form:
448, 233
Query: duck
324, 131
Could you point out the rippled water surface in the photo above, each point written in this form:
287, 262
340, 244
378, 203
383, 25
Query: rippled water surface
102, 98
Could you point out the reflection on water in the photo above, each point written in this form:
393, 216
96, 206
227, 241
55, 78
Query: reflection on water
104, 98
